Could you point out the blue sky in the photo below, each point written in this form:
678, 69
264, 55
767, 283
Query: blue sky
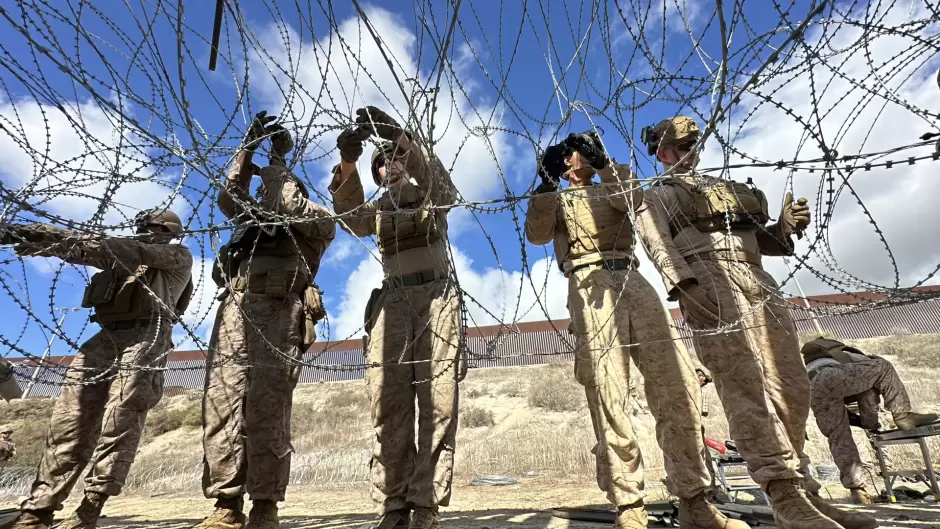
497, 100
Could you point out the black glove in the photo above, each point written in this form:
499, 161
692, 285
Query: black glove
590, 147
855, 420
258, 129
379, 123
552, 166
349, 143
281, 142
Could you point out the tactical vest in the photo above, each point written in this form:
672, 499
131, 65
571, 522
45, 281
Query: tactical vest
592, 224
712, 205
118, 296
826, 348
397, 231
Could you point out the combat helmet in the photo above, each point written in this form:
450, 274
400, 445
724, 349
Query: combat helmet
160, 217
671, 131
382, 152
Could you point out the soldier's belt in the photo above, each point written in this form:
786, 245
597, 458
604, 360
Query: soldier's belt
607, 264
124, 325
276, 283
414, 279
726, 255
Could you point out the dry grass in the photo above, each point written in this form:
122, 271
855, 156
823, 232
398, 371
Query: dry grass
514, 421
476, 417
30, 422
554, 389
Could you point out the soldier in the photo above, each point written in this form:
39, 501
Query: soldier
413, 322
615, 315
839, 375
144, 286
7, 446
715, 232
9, 388
266, 321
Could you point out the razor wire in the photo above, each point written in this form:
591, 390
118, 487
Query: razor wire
108, 112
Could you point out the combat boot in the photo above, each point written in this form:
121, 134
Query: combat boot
847, 519
425, 518
910, 420
861, 497
792, 509
697, 513
227, 515
31, 520
397, 519
87, 513
263, 515
632, 516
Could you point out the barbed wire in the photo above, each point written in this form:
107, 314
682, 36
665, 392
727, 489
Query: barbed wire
108, 112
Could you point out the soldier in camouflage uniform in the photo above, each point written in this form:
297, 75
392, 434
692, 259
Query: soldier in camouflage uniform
616, 315
413, 322
267, 319
715, 232
840, 375
7, 446
142, 289
9, 388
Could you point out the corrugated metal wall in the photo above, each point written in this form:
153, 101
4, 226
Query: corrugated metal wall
515, 348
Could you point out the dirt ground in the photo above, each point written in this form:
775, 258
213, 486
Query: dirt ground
527, 505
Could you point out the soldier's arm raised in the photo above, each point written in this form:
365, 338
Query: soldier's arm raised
541, 216
652, 222
235, 189
313, 220
349, 200
428, 171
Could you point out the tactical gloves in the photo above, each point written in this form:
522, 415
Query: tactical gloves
794, 217
258, 130
588, 145
379, 123
551, 167
281, 142
349, 143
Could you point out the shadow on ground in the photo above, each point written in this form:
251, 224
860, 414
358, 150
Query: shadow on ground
897, 516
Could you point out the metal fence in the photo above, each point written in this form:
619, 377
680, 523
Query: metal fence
514, 346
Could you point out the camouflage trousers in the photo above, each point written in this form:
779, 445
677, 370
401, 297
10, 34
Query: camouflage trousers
609, 312
246, 409
100, 415
414, 351
756, 367
867, 379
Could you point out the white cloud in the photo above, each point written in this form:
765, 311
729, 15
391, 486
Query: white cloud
342, 248
66, 159
331, 82
851, 121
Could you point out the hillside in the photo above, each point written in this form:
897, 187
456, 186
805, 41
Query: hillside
524, 423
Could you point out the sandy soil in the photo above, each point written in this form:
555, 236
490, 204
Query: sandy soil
527, 505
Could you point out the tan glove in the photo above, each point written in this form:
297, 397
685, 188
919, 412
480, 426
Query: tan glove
694, 300
379, 123
794, 217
